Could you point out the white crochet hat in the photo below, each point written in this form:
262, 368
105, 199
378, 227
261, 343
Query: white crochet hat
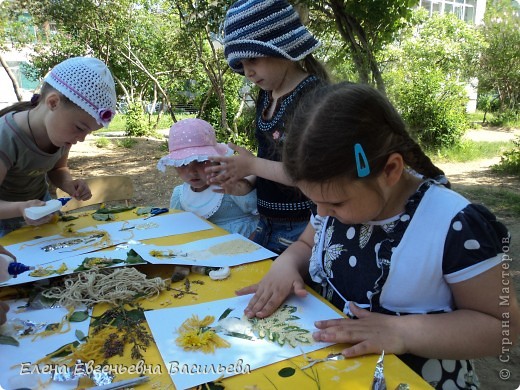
88, 83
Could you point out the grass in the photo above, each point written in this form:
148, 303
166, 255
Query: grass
504, 202
476, 119
118, 123
469, 150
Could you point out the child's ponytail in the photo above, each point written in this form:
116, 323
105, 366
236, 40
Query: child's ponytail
315, 67
17, 107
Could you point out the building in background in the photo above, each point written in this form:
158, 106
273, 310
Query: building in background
471, 11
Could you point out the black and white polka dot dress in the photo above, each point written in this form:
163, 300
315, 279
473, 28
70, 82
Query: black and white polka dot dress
405, 264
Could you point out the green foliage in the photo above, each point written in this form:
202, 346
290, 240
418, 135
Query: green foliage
499, 72
510, 160
468, 150
16, 29
504, 202
426, 76
359, 29
433, 107
102, 142
136, 124
127, 143
487, 102
506, 118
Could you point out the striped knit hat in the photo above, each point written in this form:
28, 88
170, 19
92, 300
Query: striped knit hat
265, 28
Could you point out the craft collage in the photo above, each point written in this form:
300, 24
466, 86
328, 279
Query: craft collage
80, 318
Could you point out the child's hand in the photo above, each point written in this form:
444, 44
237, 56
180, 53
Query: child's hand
81, 190
35, 222
231, 168
240, 188
370, 333
273, 289
6, 252
4, 308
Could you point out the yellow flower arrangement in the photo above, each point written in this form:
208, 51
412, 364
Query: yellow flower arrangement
195, 334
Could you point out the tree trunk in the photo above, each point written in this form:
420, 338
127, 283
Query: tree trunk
16, 87
353, 33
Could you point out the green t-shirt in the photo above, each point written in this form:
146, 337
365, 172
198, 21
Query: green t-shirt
26, 164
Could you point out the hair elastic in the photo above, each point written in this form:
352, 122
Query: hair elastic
35, 98
363, 169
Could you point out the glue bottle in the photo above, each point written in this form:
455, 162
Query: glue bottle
10, 268
51, 206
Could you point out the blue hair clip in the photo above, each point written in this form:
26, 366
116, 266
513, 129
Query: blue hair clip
363, 169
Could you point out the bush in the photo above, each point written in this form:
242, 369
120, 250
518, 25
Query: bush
510, 160
433, 106
127, 143
135, 121
507, 118
102, 142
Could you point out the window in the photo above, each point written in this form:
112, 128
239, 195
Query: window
463, 9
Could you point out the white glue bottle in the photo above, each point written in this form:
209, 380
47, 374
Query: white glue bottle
10, 268
51, 206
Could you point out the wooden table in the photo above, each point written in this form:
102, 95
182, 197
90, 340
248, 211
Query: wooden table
355, 373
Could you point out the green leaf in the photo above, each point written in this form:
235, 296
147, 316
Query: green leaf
53, 326
213, 386
132, 257
63, 350
286, 372
8, 340
102, 217
143, 210
239, 335
225, 314
78, 316
113, 210
80, 335
67, 218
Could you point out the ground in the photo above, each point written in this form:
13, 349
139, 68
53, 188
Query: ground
153, 188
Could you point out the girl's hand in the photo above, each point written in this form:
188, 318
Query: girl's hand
240, 188
81, 190
370, 333
4, 308
231, 168
281, 280
6, 252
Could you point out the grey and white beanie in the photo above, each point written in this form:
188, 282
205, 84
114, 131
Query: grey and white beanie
88, 83
265, 28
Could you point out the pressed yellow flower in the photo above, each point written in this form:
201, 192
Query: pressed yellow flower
168, 253
62, 269
194, 335
194, 323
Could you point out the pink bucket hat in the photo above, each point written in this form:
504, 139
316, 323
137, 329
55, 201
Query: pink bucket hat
190, 140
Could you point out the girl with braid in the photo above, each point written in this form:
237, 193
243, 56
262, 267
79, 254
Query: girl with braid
414, 266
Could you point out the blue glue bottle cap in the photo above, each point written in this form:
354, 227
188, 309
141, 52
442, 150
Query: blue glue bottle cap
64, 200
16, 268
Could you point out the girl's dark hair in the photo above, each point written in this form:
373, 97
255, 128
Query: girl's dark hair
27, 105
331, 120
313, 66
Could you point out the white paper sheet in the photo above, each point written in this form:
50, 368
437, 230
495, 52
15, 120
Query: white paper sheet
228, 250
30, 351
33, 252
72, 263
191, 368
